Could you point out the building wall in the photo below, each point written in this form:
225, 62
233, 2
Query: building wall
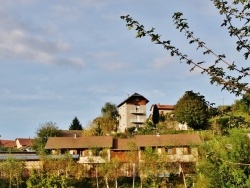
132, 114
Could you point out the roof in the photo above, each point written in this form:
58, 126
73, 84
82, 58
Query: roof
163, 107
79, 142
167, 140
135, 95
123, 144
25, 141
8, 143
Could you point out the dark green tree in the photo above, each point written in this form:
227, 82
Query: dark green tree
192, 109
45, 130
229, 75
155, 115
75, 125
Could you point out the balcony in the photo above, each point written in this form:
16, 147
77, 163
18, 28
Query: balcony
137, 121
137, 111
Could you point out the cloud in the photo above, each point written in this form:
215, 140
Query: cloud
23, 42
109, 61
38, 95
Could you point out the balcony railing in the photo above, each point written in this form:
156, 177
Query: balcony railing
137, 111
137, 121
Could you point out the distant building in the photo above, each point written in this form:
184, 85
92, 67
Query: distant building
163, 108
132, 112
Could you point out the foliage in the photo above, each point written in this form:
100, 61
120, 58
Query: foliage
110, 110
192, 109
236, 20
106, 123
98, 130
46, 130
11, 170
75, 125
152, 168
225, 160
155, 115
111, 171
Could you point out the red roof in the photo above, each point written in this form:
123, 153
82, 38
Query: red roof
163, 107
25, 141
8, 143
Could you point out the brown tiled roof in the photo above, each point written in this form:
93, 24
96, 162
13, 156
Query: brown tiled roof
167, 140
163, 107
135, 95
123, 144
8, 143
79, 142
25, 141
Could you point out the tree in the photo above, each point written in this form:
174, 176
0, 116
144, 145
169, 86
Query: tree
110, 110
225, 161
107, 122
155, 115
192, 109
231, 76
45, 130
75, 125
12, 170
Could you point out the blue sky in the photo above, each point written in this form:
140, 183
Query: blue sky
60, 59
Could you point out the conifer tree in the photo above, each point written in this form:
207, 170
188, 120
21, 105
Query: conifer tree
75, 125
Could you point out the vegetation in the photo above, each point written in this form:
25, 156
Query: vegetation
106, 123
46, 130
192, 109
75, 125
224, 153
155, 115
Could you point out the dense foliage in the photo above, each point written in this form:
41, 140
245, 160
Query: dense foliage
155, 115
75, 125
192, 109
46, 130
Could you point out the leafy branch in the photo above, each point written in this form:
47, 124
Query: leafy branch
218, 75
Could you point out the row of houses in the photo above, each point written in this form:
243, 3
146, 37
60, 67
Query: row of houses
176, 149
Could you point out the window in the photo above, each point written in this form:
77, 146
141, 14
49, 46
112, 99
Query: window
186, 150
171, 151
137, 108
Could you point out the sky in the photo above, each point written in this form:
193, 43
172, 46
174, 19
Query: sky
62, 59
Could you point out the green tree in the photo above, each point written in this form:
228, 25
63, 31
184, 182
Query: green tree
229, 75
75, 125
108, 121
12, 170
98, 130
225, 161
155, 115
192, 109
45, 130
110, 110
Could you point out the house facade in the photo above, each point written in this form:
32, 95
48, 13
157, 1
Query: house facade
132, 112
176, 149
163, 108
91, 149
